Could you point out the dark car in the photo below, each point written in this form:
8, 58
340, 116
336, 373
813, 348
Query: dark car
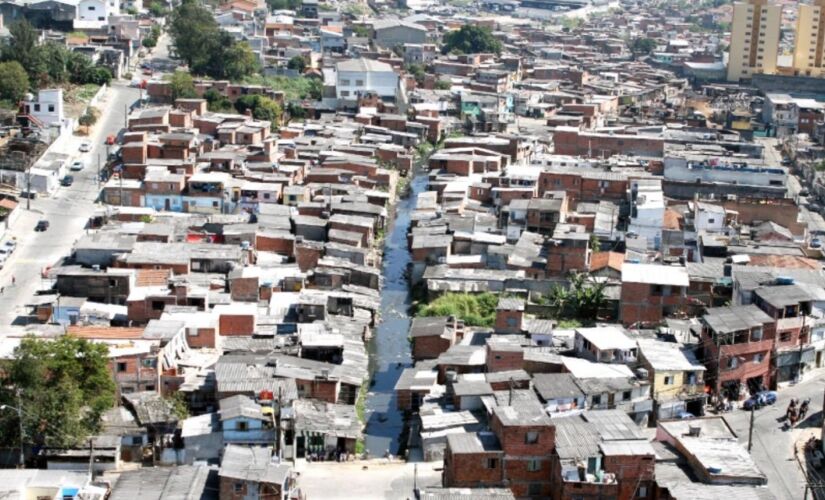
67, 181
42, 225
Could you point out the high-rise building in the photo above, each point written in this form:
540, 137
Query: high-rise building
754, 40
808, 57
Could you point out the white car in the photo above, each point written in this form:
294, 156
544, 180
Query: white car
85, 146
10, 245
77, 166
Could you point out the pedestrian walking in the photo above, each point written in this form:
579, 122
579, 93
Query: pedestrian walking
13, 280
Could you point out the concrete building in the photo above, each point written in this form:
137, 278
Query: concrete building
810, 39
754, 40
359, 76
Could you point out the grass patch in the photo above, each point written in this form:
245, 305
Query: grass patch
294, 88
474, 309
86, 92
569, 324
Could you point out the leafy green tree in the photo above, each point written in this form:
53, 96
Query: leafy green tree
78, 66
216, 102
296, 111
62, 386
88, 118
14, 82
263, 108
52, 59
157, 9
418, 72
238, 61
471, 39
194, 32
581, 300
443, 85
642, 46
183, 86
297, 63
22, 44
474, 309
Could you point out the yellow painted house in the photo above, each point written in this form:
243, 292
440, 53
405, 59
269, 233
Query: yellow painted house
676, 377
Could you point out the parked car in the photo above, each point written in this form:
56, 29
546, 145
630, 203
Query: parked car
77, 166
42, 225
759, 400
111, 139
11, 245
67, 181
85, 146
28, 194
816, 243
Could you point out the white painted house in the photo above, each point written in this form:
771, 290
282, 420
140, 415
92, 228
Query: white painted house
46, 109
358, 76
95, 13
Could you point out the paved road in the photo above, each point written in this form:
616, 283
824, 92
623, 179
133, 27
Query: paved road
332, 480
773, 446
67, 211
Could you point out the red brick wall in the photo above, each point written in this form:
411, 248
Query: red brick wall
467, 470
204, 338
429, 347
230, 324
284, 246
502, 316
502, 361
306, 257
513, 443
244, 289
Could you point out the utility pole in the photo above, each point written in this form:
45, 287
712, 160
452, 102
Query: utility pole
750, 430
28, 188
91, 458
22, 458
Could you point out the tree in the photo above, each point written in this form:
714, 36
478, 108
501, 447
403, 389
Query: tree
23, 42
194, 32
78, 67
238, 61
62, 386
182, 85
263, 108
51, 60
642, 46
297, 63
418, 72
471, 39
216, 102
157, 9
443, 85
14, 82
296, 111
88, 119
581, 300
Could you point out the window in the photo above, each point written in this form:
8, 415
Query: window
756, 334
626, 396
758, 357
359, 83
733, 362
642, 492
345, 93
711, 221
597, 400
266, 196
534, 489
150, 387
51, 108
345, 82
491, 463
785, 337
157, 305
533, 465
669, 380
237, 487
531, 437
243, 426
37, 107
91, 7
121, 367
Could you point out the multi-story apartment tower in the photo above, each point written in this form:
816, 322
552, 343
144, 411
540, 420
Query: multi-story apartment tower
754, 40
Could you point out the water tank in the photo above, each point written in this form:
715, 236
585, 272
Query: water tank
784, 280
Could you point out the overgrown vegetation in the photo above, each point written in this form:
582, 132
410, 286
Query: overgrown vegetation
294, 89
474, 309
580, 302
49, 63
471, 39
62, 388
